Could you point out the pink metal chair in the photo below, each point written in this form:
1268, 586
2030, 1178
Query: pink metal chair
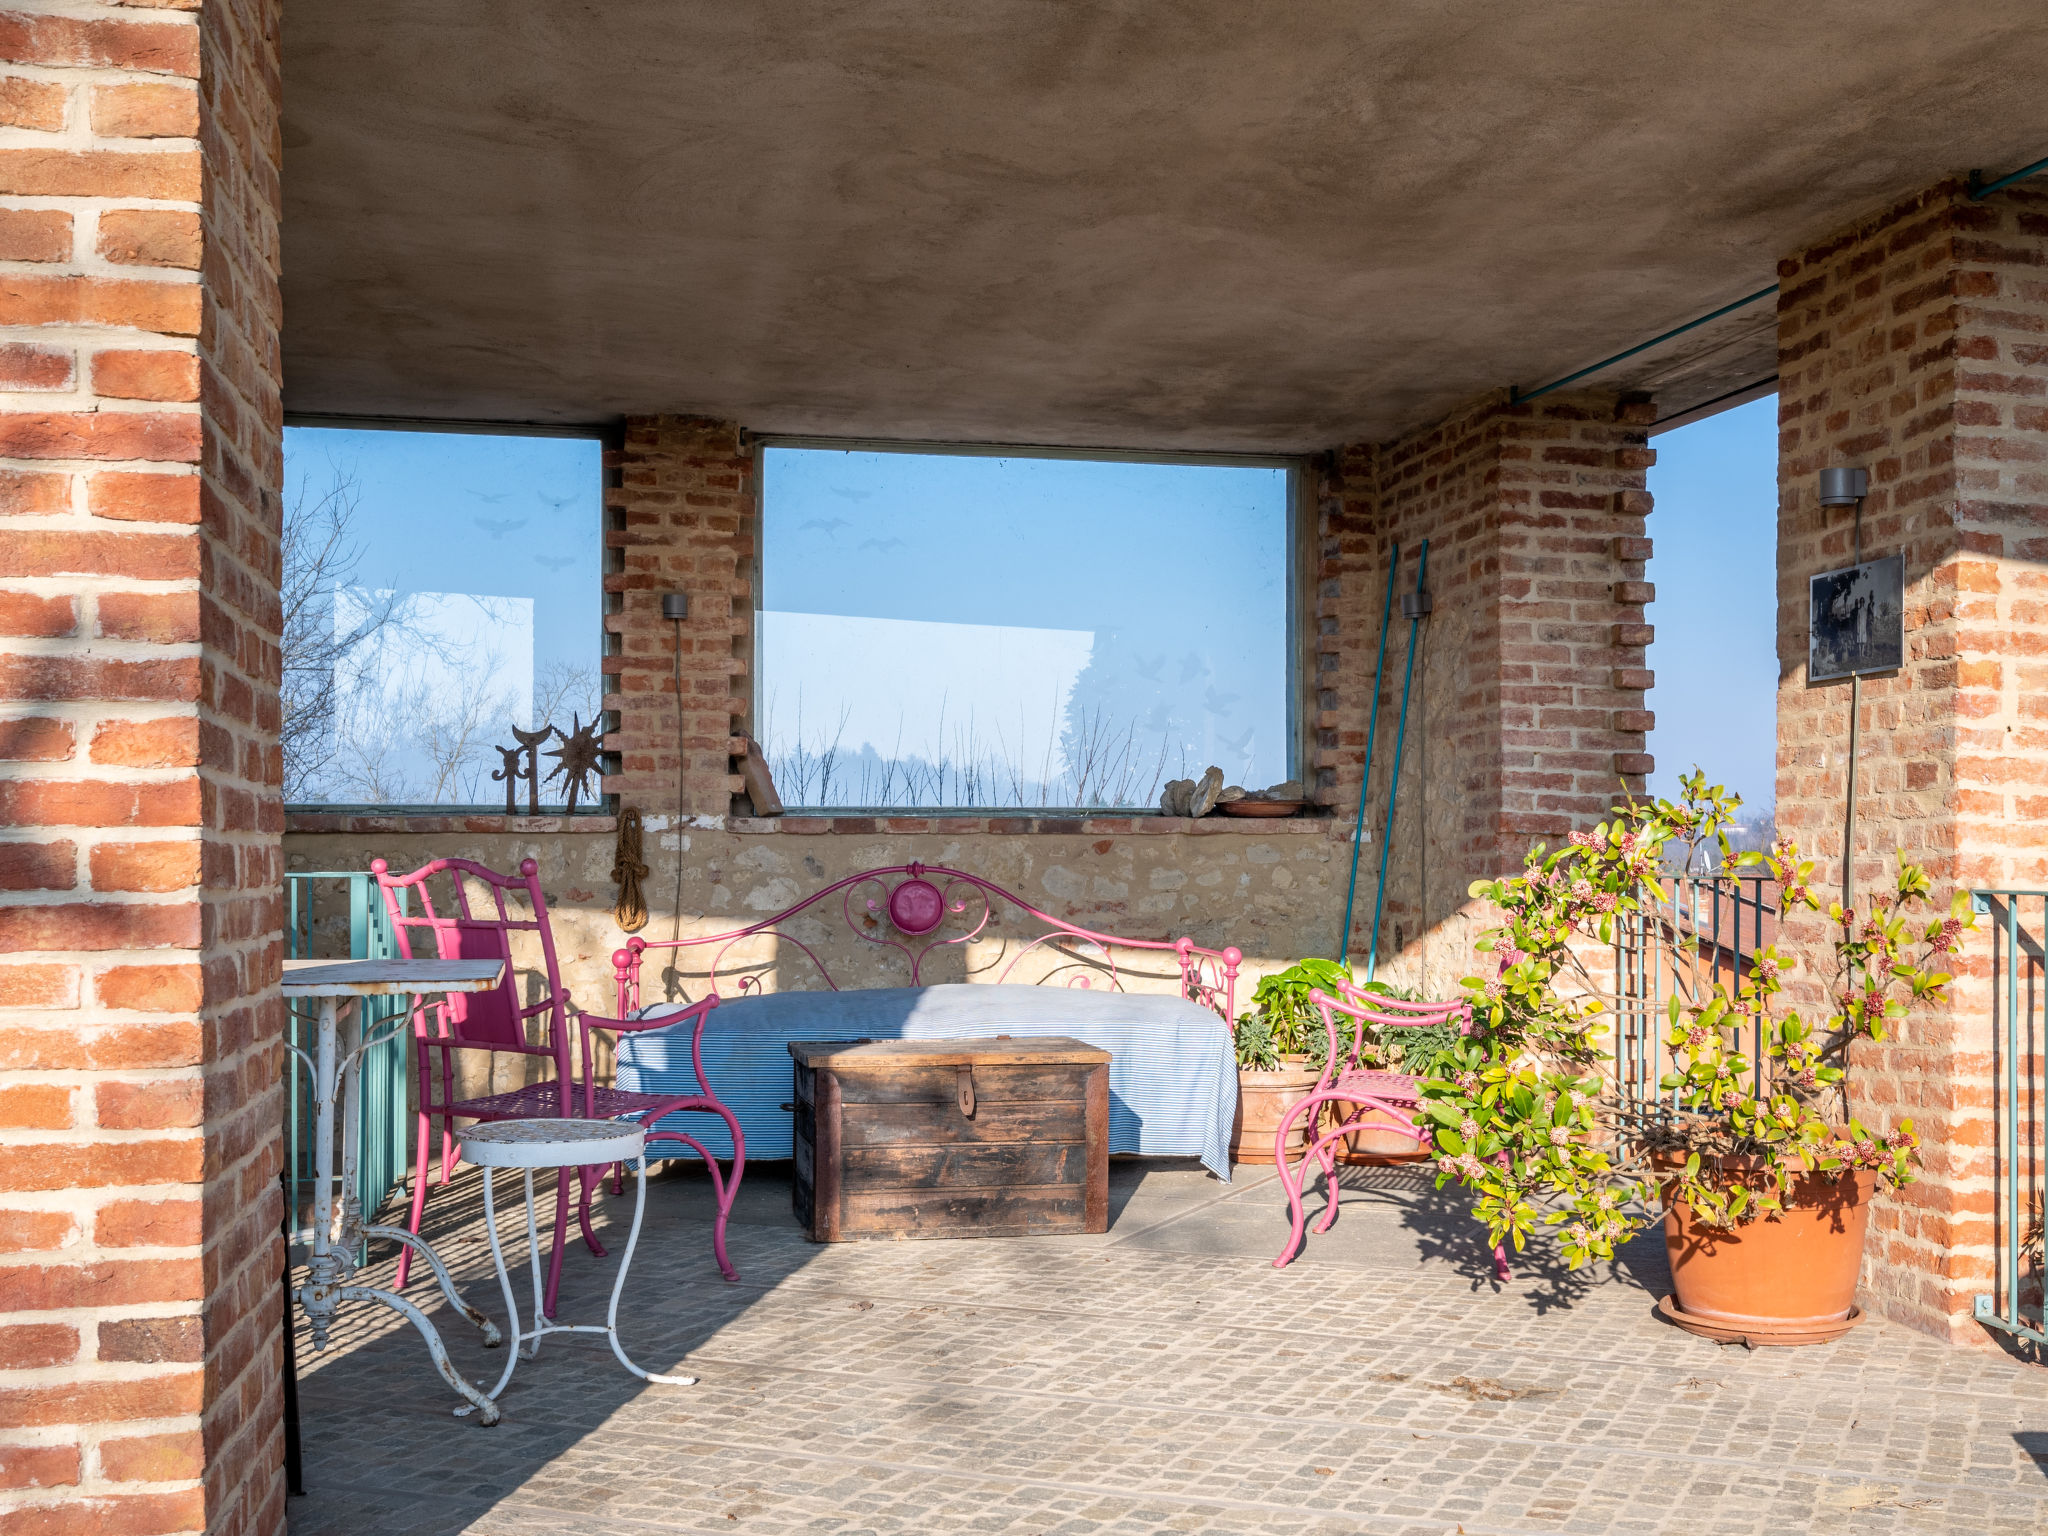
497, 1021
1358, 1088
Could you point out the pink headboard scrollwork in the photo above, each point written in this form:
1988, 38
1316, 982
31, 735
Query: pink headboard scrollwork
916, 909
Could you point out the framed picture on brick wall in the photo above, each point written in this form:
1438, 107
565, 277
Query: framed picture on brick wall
1857, 620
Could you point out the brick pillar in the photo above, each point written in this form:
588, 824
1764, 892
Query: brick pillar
683, 518
139, 1016
1527, 717
1913, 345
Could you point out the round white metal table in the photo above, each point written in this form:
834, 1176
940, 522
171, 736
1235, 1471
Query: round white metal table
335, 1066
530, 1144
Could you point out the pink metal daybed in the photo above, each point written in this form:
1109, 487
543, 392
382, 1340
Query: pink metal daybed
1173, 1082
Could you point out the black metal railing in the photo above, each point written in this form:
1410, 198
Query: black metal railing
1690, 932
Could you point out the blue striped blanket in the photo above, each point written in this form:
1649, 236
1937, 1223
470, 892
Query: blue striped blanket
1172, 1072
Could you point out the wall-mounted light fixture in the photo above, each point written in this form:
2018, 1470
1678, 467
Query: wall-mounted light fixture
1843, 487
676, 605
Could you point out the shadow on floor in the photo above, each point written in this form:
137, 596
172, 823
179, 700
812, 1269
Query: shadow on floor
1389, 1218
379, 1452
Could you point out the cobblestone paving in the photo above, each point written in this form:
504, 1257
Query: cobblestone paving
1163, 1378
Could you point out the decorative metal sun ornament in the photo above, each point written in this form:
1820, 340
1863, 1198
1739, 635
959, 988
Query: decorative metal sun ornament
577, 759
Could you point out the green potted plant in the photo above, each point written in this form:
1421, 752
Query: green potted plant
1281, 1047
1281, 1050
1764, 1179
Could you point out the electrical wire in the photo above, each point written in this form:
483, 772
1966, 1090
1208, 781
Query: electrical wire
1855, 730
680, 781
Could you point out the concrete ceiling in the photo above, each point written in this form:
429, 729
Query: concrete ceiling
1192, 224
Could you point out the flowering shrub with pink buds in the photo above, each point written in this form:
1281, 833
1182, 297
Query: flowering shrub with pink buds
1530, 1117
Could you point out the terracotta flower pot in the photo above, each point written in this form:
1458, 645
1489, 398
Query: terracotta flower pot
1263, 1098
1784, 1278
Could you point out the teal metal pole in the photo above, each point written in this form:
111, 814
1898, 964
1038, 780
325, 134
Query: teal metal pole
1372, 962
1516, 397
1365, 778
2013, 1234
1981, 190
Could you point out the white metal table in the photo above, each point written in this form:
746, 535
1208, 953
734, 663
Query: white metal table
530, 1144
335, 1064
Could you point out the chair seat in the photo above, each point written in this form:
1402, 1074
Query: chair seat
541, 1101
536, 1101
1389, 1087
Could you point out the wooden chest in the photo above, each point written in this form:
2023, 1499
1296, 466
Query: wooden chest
951, 1138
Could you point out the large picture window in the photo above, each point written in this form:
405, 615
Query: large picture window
440, 590
957, 630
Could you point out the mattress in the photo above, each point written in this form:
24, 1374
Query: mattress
1172, 1071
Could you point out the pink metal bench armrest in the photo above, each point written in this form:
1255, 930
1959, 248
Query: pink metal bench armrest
628, 1026
699, 1011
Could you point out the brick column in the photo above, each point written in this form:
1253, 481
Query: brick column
1913, 345
139, 1016
682, 519
1527, 717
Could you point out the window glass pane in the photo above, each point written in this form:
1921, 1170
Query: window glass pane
440, 589
954, 630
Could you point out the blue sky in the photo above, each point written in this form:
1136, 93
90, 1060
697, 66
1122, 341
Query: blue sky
494, 544
1156, 595
1715, 565
466, 512
1165, 585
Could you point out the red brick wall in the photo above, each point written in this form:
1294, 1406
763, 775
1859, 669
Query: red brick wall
681, 519
139, 473
1916, 345
1527, 713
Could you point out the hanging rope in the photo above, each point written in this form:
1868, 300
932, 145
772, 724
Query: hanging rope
628, 870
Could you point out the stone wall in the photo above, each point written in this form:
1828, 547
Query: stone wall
139, 1014
1913, 345
1266, 888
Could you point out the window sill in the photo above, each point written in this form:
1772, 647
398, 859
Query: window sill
1000, 825
795, 825
459, 821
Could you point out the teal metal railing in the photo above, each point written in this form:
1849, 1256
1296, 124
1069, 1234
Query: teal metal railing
2019, 1127
332, 915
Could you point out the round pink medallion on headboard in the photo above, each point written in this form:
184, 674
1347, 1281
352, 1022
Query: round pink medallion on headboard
916, 907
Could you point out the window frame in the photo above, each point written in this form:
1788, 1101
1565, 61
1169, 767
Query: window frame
1300, 641
609, 436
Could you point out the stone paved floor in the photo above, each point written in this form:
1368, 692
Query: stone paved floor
1161, 1378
